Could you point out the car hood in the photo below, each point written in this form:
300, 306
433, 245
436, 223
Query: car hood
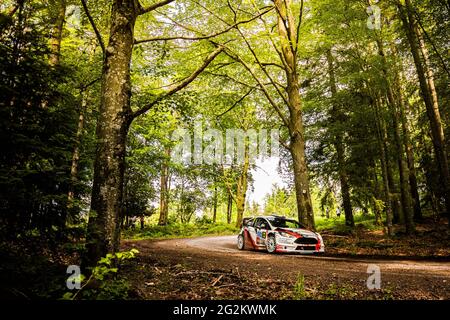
298, 232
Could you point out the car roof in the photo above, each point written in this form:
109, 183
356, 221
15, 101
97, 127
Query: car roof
272, 216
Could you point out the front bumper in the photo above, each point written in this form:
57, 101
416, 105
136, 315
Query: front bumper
299, 248
289, 245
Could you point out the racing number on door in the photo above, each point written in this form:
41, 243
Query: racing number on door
261, 231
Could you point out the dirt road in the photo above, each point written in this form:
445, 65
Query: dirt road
214, 266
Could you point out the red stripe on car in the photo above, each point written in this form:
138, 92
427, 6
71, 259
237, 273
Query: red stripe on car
292, 233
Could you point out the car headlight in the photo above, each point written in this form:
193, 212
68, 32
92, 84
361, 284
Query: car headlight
320, 239
286, 235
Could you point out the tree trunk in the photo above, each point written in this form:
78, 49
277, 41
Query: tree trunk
56, 31
229, 209
114, 119
378, 195
384, 172
288, 35
215, 204
242, 187
338, 144
407, 144
76, 151
428, 90
164, 191
405, 191
395, 205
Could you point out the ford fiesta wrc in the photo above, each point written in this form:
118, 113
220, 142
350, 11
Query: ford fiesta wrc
278, 234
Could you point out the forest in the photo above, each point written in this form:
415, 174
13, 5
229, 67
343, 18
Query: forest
129, 126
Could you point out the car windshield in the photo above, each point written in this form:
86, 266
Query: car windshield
285, 223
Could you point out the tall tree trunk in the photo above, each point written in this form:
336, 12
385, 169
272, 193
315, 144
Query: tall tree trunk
215, 204
288, 34
112, 127
405, 190
430, 172
338, 144
229, 208
59, 14
411, 165
384, 171
397, 214
426, 80
378, 195
242, 186
164, 191
301, 181
402, 105
76, 151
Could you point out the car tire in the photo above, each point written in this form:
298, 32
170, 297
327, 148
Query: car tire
241, 242
271, 244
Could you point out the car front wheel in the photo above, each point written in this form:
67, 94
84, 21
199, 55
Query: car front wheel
271, 244
241, 242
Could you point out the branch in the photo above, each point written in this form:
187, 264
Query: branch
154, 6
223, 65
265, 64
269, 32
231, 79
236, 103
162, 38
300, 18
261, 85
83, 87
263, 68
211, 12
91, 21
444, 65
181, 85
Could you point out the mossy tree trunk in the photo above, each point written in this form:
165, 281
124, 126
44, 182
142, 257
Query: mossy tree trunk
112, 128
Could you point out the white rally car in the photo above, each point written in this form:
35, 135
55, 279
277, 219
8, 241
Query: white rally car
278, 234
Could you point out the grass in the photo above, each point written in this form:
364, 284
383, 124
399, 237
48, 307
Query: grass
337, 225
204, 228
178, 230
299, 291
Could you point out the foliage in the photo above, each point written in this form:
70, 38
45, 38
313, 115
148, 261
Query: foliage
104, 282
363, 108
299, 288
337, 225
181, 230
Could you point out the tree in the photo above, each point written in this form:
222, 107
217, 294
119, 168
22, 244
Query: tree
288, 32
429, 94
115, 117
338, 116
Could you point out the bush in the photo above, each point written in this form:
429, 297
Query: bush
178, 230
337, 225
104, 283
